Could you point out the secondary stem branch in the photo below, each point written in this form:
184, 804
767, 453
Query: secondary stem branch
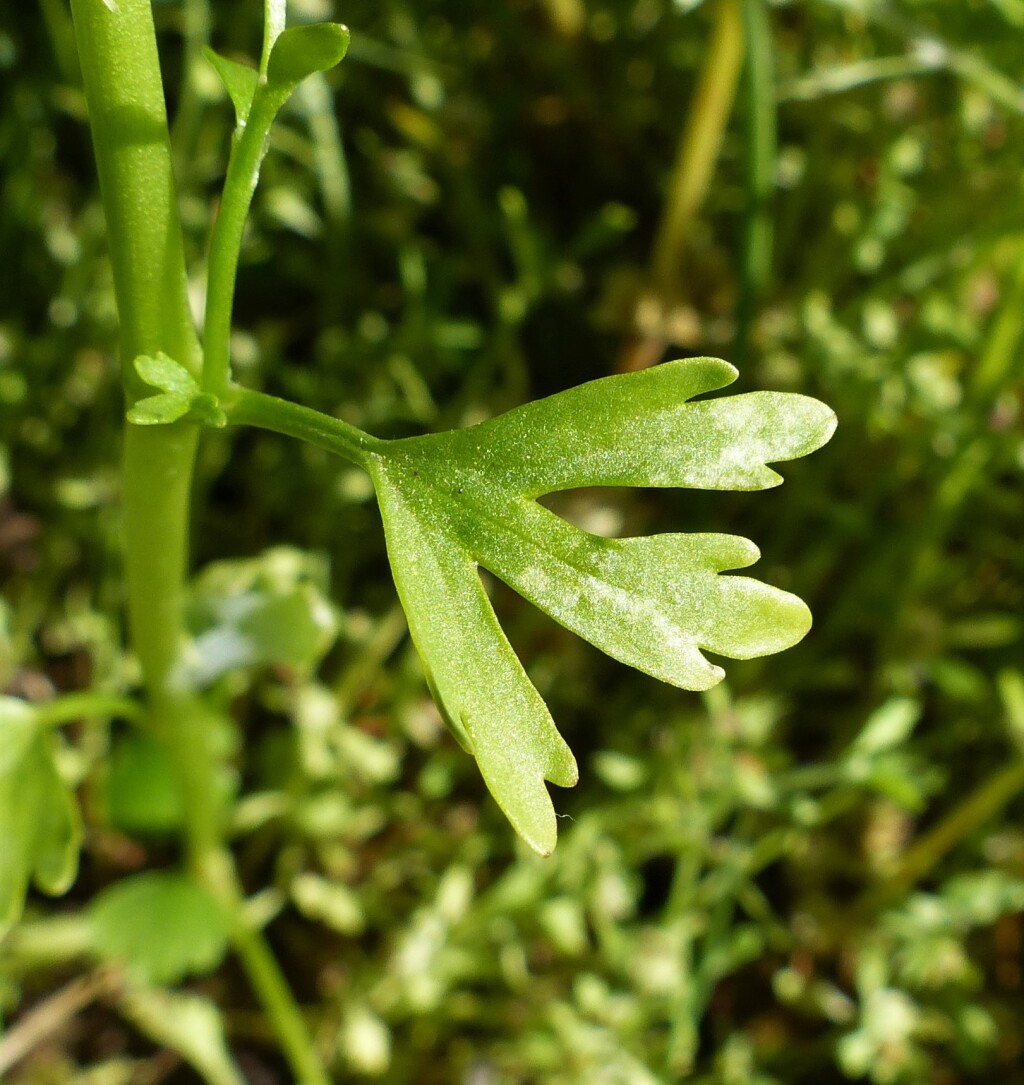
243, 174
966, 817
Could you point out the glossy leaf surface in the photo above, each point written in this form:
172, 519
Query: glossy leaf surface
301, 51
480, 686
454, 501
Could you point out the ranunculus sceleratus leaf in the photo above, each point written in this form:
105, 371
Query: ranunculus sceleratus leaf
240, 81
454, 501
300, 51
289, 57
478, 683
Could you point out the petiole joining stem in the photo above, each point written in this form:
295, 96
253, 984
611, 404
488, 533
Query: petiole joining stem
248, 408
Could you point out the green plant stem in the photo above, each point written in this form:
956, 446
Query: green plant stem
265, 975
243, 173
249, 147
761, 154
274, 18
700, 143
248, 408
970, 814
121, 74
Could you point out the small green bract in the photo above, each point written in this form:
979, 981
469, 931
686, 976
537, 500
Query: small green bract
180, 395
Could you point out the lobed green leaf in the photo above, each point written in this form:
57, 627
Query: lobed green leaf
159, 410
181, 395
457, 500
639, 429
454, 501
479, 684
165, 373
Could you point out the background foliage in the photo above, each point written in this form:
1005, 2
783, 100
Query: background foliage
813, 872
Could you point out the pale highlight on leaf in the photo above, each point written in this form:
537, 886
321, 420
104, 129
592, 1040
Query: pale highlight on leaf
164, 373
478, 681
638, 429
453, 501
653, 603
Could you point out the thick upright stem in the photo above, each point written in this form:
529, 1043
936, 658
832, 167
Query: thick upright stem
121, 72
124, 91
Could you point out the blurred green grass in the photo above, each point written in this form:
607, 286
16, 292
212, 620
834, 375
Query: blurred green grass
811, 874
